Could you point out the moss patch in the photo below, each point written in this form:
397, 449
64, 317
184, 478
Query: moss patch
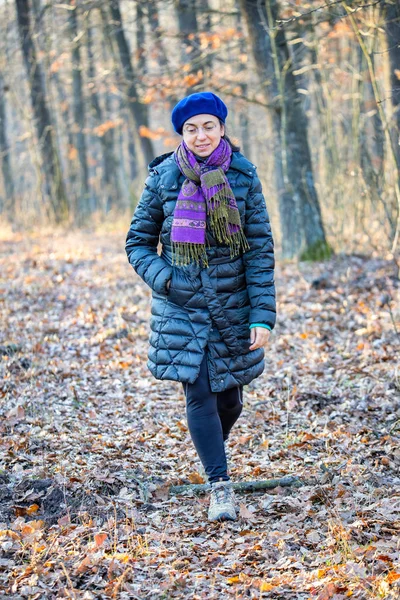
318, 251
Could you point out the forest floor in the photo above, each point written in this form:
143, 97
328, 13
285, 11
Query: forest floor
90, 442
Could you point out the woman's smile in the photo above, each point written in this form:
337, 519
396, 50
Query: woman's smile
202, 147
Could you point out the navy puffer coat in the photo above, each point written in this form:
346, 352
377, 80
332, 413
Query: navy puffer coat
211, 306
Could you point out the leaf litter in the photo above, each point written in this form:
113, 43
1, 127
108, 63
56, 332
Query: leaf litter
90, 443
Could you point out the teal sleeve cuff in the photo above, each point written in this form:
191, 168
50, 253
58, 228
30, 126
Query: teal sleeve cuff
260, 325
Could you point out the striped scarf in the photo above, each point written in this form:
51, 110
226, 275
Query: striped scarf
205, 192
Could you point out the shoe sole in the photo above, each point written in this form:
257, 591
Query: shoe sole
223, 517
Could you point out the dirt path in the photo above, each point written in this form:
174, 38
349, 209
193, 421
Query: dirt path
90, 442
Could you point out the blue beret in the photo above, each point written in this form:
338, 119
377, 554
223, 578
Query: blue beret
197, 104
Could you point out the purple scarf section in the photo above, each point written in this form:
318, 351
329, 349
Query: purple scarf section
205, 192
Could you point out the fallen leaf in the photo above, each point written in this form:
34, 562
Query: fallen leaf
313, 536
245, 513
161, 492
181, 426
31, 527
195, 478
16, 414
84, 564
392, 576
266, 587
121, 556
328, 592
65, 520
9, 533
99, 539
243, 439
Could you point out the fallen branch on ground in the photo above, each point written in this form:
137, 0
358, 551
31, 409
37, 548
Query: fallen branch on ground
241, 486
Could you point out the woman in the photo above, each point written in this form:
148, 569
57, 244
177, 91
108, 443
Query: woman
213, 295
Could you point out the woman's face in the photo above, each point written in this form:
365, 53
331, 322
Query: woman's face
202, 134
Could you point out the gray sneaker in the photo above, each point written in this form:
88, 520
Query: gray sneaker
222, 502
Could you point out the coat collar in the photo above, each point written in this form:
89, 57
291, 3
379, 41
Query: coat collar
158, 160
242, 164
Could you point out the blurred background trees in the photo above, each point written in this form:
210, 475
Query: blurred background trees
313, 90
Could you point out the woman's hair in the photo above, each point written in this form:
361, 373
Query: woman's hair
234, 147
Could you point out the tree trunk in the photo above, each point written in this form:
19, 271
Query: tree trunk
242, 67
111, 184
64, 106
45, 132
61, 100
301, 223
206, 56
371, 132
188, 32
392, 26
377, 134
324, 115
140, 40
7, 205
122, 109
162, 57
138, 110
85, 203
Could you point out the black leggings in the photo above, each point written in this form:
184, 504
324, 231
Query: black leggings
210, 418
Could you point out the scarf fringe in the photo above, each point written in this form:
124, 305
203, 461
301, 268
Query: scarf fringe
240, 243
220, 228
183, 254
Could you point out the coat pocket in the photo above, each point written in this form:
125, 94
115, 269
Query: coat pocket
182, 288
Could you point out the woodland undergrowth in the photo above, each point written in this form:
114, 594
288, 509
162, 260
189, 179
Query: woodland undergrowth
90, 442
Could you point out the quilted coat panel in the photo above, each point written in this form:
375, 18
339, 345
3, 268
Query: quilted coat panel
204, 307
